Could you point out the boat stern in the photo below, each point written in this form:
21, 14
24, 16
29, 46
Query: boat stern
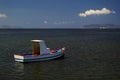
19, 57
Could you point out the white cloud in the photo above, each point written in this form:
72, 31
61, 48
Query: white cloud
45, 22
27, 23
63, 22
96, 12
3, 15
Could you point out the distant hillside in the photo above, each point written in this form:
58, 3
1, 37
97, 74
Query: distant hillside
102, 26
5, 27
90, 26
8, 27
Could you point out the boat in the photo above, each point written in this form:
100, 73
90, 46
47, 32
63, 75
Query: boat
40, 53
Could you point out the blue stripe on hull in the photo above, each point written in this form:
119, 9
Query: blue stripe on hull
39, 59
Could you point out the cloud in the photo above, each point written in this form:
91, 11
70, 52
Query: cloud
96, 12
63, 22
3, 15
45, 22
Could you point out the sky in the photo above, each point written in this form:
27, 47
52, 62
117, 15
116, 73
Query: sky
58, 13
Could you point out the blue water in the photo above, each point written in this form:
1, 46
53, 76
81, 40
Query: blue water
90, 54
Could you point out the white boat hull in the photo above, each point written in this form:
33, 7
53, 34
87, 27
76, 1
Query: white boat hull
31, 58
40, 53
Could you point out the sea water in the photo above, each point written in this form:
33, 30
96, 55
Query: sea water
91, 54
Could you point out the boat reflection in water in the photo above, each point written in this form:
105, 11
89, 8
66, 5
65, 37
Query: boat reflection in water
34, 71
19, 70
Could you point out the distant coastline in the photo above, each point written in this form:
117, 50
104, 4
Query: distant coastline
102, 26
90, 26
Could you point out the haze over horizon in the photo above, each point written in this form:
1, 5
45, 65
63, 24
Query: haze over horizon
58, 13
